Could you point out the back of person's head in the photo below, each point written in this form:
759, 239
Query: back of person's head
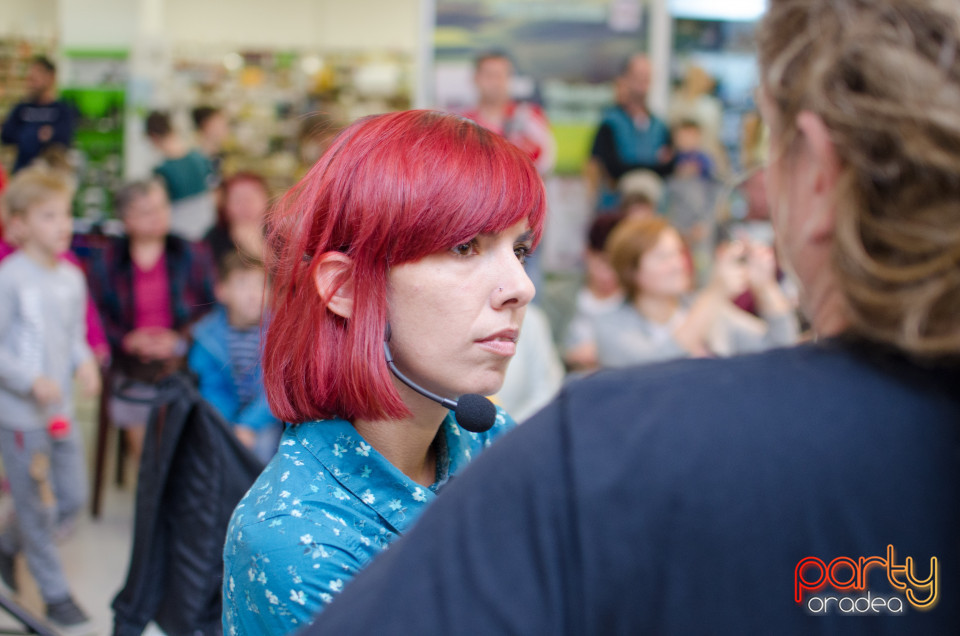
30, 187
640, 181
157, 125
628, 242
637, 204
600, 230
391, 189
884, 77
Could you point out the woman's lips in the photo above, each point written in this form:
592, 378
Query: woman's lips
502, 343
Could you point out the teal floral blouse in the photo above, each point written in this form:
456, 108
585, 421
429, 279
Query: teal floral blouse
325, 506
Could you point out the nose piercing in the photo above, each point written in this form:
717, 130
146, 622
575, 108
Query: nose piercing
499, 289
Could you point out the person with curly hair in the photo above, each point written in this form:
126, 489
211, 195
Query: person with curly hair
807, 490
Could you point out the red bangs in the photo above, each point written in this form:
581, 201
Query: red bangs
391, 189
419, 189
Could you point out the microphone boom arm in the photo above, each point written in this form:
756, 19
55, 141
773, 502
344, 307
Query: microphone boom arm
446, 402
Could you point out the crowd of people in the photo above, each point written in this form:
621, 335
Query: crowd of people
343, 330
185, 283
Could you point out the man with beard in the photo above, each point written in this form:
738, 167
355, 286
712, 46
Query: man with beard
41, 120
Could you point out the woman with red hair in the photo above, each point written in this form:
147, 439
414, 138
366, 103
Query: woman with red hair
244, 199
406, 239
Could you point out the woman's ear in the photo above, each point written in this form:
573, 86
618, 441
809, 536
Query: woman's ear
822, 175
333, 277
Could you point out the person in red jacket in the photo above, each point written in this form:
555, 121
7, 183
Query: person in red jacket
523, 123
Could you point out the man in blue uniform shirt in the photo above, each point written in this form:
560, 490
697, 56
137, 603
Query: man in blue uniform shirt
41, 120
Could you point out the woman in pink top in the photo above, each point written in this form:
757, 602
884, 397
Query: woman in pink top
150, 287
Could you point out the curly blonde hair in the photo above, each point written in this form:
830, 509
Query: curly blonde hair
884, 76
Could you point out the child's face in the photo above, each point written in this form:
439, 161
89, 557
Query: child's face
242, 294
687, 139
46, 227
600, 274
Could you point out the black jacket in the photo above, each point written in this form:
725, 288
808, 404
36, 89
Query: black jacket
192, 474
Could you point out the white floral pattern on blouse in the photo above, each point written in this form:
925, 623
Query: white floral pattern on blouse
325, 506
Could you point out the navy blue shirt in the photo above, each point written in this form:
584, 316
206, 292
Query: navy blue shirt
680, 499
23, 125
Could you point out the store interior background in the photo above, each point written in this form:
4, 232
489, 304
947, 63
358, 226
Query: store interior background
269, 64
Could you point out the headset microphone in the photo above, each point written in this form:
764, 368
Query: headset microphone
474, 412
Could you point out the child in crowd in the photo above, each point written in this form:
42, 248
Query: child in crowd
691, 158
641, 193
226, 355
213, 130
189, 177
150, 286
42, 348
55, 160
692, 193
600, 294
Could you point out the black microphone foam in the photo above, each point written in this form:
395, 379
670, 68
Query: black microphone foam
475, 413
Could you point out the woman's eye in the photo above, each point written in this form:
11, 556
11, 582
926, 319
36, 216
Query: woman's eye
466, 249
522, 252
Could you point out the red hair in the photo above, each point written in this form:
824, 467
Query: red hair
391, 189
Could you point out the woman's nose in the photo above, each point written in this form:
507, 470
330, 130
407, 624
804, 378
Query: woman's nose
514, 286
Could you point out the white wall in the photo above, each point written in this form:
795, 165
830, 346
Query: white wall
97, 24
312, 24
32, 19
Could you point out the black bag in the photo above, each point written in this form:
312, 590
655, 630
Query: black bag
193, 473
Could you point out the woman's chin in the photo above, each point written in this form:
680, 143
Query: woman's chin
485, 387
